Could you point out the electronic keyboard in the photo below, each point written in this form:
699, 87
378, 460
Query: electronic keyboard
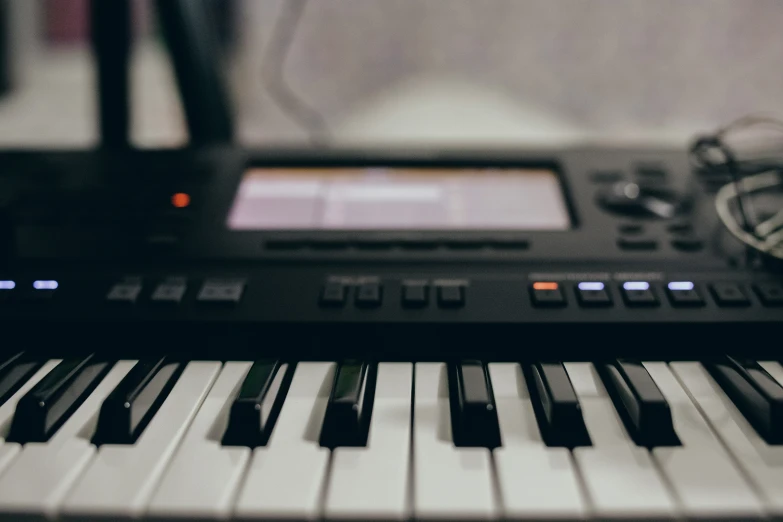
165, 439
216, 334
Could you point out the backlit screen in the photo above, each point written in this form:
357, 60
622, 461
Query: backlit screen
399, 199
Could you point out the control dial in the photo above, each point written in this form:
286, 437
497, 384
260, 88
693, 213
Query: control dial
642, 201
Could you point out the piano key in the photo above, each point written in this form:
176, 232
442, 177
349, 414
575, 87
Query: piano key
620, 477
9, 407
371, 483
641, 404
50, 402
37, 480
474, 419
14, 371
449, 482
128, 409
755, 393
257, 405
691, 427
560, 414
706, 481
535, 481
203, 477
348, 412
775, 369
285, 478
120, 479
762, 462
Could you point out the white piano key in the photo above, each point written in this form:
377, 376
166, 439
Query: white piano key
691, 427
39, 477
121, 478
450, 483
620, 478
371, 483
7, 410
775, 369
536, 482
603, 423
762, 462
706, 481
285, 479
8, 451
203, 477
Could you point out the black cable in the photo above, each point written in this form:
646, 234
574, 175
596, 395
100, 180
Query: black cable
273, 74
702, 151
712, 154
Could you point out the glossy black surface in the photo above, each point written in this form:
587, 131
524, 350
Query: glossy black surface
14, 372
55, 397
257, 405
132, 404
348, 413
92, 219
474, 417
755, 393
556, 405
641, 404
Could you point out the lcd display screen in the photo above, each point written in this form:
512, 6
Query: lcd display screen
375, 198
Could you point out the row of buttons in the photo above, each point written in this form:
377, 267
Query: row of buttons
683, 243
642, 293
416, 244
171, 291
415, 294
38, 290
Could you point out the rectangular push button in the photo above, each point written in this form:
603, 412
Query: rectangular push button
126, 292
221, 291
639, 293
547, 294
415, 294
684, 294
169, 292
333, 294
729, 294
593, 294
771, 294
368, 295
451, 296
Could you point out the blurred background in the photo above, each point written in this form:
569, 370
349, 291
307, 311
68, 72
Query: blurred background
423, 72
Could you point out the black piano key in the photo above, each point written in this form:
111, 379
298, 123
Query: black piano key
132, 404
14, 372
256, 407
347, 417
755, 393
641, 405
557, 406
41, 412
474, 418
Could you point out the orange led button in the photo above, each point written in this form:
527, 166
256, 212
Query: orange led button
547, 294
180, 200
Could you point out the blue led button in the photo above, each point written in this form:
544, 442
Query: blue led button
684, 294
593, 294
6, 289
639, 293
42, 290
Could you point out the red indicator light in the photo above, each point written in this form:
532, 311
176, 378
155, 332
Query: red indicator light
180, 200
544, 286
